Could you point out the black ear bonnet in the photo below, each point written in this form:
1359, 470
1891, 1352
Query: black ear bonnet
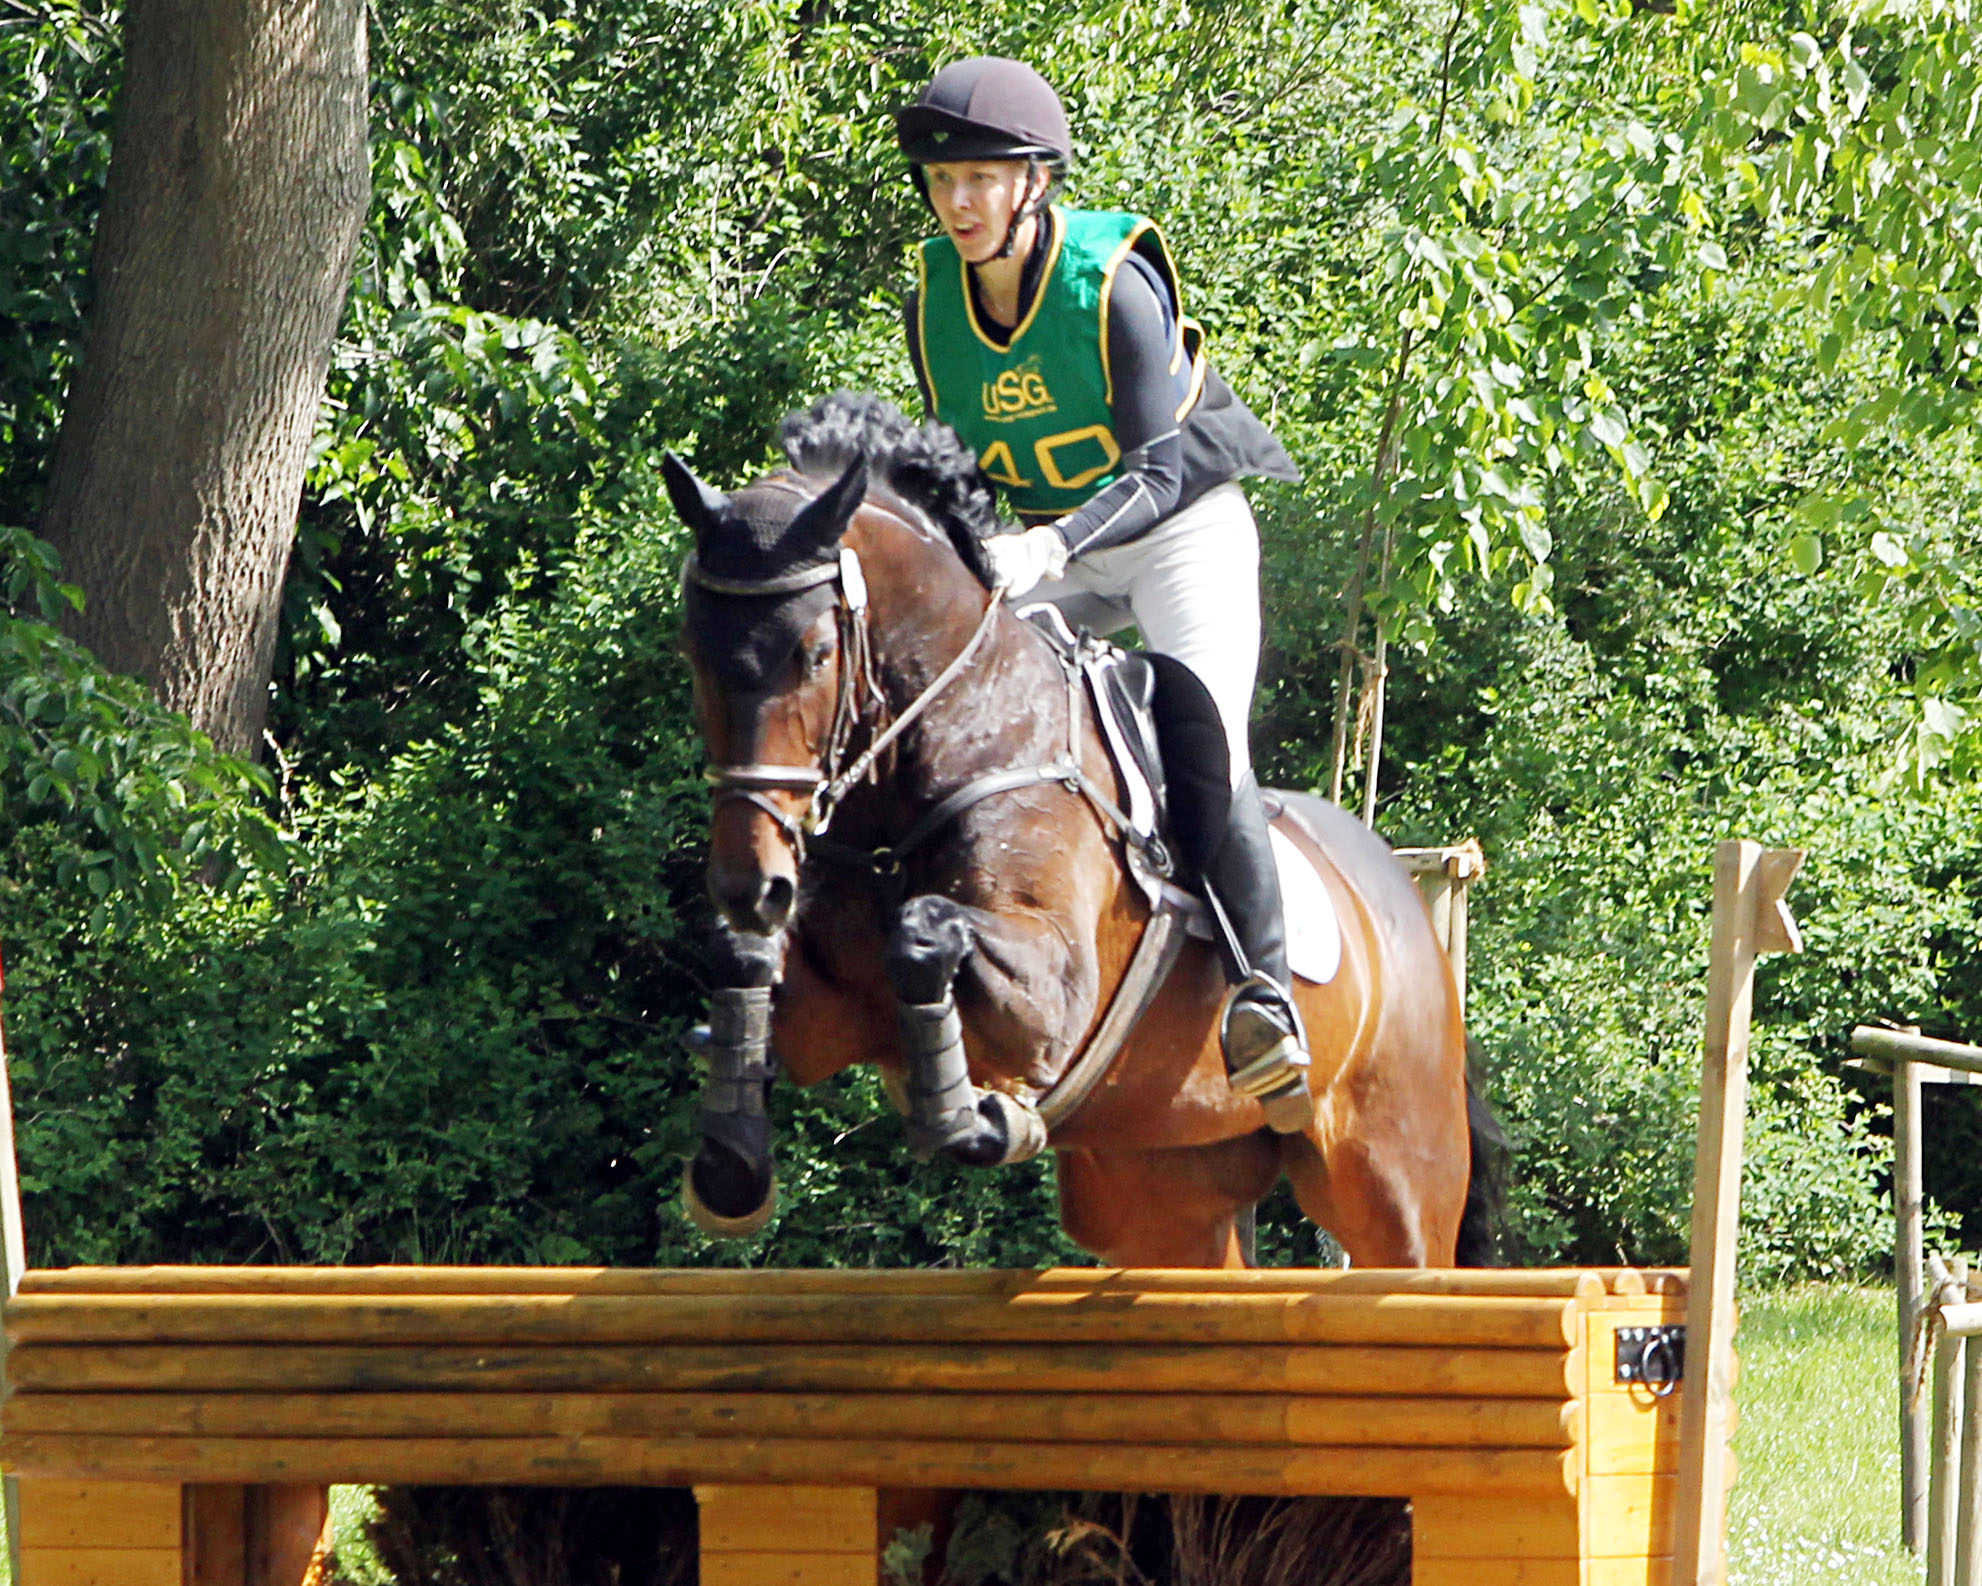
767, 529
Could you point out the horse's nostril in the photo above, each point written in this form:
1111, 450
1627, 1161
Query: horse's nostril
752, 901
774, 905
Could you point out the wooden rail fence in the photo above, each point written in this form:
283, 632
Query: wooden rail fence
151, 1411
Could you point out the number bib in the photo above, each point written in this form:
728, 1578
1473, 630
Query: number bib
1036, 412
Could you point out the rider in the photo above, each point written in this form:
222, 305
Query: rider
1053, 340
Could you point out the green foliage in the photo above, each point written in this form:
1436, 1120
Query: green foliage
59, 60
1691, 685
1858, 129
121, 801
1565, 304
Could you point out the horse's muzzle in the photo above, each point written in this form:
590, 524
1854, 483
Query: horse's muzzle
755, 902
753, 866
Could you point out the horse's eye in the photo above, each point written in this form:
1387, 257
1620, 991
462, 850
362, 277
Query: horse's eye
817, 652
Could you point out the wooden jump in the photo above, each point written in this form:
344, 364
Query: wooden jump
150, 1411
178, 1426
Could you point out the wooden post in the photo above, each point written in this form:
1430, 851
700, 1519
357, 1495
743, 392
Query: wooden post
1912, 1061
1908, 1254
13, 1256
1943, 1486
1968, 1491
1445, 877
1750, 918
776, 1536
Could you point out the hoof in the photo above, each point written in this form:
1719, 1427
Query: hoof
720, 1224
1023, 1129
997, 1131
960, 1135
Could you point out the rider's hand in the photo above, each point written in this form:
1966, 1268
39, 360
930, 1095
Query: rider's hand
1019, 561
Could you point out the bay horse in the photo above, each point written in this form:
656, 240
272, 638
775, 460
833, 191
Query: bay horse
916, 830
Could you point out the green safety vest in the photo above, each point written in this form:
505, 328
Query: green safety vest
1036, 412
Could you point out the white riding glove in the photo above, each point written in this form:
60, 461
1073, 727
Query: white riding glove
1020, 561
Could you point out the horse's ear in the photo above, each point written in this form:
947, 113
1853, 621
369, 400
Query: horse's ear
696, 504
822, 520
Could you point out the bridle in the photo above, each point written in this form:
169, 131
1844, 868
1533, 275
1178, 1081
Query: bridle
827, 783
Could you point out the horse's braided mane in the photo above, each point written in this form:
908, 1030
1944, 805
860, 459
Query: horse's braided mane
925, 465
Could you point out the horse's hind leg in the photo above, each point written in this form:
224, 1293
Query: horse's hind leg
1168, 1208
1387, 1180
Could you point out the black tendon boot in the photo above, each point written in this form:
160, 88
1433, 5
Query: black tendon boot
1266, 1050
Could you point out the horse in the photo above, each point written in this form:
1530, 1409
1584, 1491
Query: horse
917, 859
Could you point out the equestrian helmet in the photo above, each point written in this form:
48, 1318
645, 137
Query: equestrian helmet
985, 107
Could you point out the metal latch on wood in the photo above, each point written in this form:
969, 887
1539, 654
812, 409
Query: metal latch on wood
1655, 1356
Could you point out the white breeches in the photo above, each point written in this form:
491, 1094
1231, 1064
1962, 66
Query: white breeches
1191, 584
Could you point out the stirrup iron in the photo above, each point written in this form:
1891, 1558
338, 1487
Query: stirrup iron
1266, 1052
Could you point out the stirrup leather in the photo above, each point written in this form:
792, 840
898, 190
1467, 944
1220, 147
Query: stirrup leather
1266, 1052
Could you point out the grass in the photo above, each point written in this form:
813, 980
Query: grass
1816, 1495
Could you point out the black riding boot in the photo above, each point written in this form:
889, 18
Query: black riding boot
1265, 1046
1222, 839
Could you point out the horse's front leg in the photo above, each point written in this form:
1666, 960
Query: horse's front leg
935, 938
730, 1187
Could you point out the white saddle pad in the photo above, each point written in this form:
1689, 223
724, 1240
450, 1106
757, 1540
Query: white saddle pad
1314, 935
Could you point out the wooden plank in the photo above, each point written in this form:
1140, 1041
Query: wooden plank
1628, 1516
1191, 1419
1961, 1319
1749, 917
1628, 1428
512, 1321
1629, 1572
100, 1514
1908, 1046
1467, 1528
1495, 1572
387, 1282
617, 1461
1631, 1435
100, 1566
788, 1569
822, 1367
810, 1519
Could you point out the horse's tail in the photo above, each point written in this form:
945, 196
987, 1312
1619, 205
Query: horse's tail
1483, 1223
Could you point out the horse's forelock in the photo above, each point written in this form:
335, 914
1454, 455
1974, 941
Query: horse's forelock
927, 467
743, 640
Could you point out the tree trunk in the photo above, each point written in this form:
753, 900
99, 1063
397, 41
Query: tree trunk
238, 184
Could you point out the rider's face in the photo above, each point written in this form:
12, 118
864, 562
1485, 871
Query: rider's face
975, 201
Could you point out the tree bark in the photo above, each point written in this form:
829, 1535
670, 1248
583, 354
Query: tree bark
239, 179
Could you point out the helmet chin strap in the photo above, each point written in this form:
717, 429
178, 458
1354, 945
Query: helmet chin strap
1035, 198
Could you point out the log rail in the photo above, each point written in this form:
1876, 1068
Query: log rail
1487, 1398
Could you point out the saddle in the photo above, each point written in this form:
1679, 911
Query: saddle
1167, 742
1122, 684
